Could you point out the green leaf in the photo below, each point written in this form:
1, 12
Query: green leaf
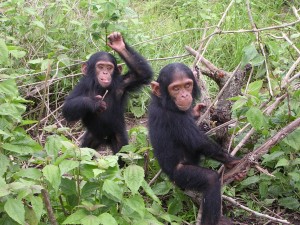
3, 53
150, 192
282, 162
295, 176
75, 217
15, 209
293, 139
162, 188
90, 220
134, 206
289, 202
272, 156
263, 189
17, 53
134, 176
4, 163
53, 145
255, 117
4, 190
68, 187
250, 180
250, 53
106, 218
23, 146
37, 206
255, 87
31, 173
112, 190
64, 59
9, 88
52, 174
39, 24
68, 165
239, 103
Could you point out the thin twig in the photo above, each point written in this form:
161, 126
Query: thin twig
233, 201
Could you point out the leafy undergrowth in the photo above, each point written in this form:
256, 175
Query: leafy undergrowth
42, 45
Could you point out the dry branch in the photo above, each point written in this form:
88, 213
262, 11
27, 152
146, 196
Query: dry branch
252, 157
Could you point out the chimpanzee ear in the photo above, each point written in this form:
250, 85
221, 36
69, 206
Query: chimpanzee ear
155, 88
120, 68
84, 69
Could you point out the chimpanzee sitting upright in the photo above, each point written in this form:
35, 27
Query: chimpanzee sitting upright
177, 141
100, 96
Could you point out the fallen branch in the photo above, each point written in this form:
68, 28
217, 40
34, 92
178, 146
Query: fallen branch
252, 157
233, 201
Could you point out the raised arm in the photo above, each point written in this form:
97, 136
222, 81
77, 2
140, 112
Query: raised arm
140, 71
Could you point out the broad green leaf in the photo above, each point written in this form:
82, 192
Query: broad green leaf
45, 64
162, 188
250, 53
31, 173
38, 24
75, 217
4, 163
263, 189
134, 206
3, 53
24, 146
282, 162
272, 156
256, 118
68, 165
289, 202
90, 220
239, 103
4, 190
15, 209
150, 192
35, 61
37, 206
17, 53
52, 174
295, 176
12, 110
134, 176
250, 180
30, 217
106, 218
293, 139
68, 187
9, 88
64, 59
112, 190
53, 145
255, 87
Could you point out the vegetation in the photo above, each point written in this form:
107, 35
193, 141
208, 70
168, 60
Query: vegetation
47, 179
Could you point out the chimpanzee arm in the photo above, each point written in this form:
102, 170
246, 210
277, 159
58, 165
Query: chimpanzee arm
78, 103
139, 72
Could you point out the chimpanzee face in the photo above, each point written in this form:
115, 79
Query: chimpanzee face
181, 90
104, 71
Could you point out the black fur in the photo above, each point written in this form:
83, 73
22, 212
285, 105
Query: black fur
178, 144
107, 126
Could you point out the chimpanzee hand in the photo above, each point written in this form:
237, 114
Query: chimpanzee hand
232, 163
100, 105
116, 41
197, 110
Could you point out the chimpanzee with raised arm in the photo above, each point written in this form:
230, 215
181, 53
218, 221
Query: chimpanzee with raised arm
99, 98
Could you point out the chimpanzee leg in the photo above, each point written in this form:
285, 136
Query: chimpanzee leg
206, 181
89, 141
118, 141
